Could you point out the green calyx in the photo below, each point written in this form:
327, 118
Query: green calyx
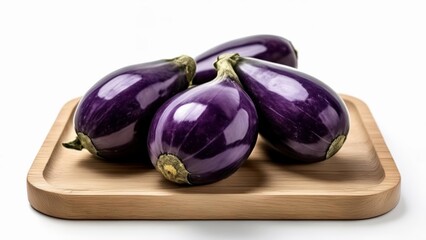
188, 63
335, 146
225, 66
172, 168
80, 142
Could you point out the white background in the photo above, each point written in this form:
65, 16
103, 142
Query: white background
53, 51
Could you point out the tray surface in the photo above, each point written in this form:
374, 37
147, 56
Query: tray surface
360, 181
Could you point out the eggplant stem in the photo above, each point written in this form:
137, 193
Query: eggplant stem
75, 144
335, 146
80, 142
225, 66
188, 63
172, 168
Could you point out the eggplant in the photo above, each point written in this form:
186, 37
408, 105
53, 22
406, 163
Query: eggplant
113, 117
266, 47
299, 115
204, 134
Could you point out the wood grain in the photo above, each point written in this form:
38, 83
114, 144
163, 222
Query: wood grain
360, 181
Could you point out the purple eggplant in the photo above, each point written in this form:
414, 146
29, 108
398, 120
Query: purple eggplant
113, 117
266, 47
204, 134
299, 115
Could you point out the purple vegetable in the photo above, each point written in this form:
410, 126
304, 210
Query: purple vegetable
266, 47
299, 115
113, 117
204, 134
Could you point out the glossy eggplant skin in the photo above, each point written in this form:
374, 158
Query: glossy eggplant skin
299, 115
266, 47
211, 129
113, 117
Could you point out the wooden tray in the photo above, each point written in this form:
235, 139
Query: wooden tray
360, 181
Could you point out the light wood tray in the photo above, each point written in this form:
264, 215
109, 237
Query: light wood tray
360, 181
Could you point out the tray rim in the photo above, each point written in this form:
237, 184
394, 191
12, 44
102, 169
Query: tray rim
41, 193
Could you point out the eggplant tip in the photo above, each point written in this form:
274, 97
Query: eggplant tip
172, 168
225, 66
74, 144
189, 64
335, 146
80, 142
